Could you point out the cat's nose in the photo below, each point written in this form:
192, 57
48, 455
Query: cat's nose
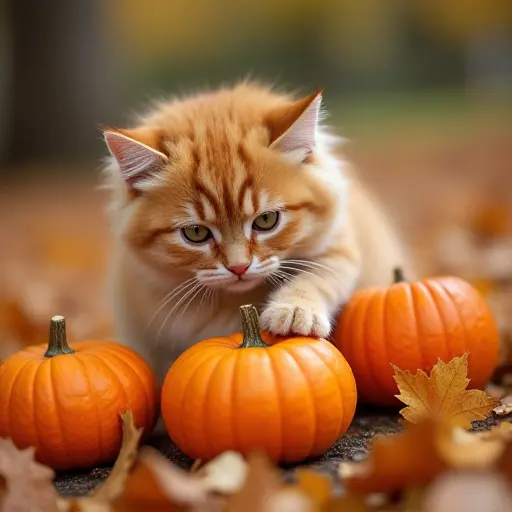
239, 270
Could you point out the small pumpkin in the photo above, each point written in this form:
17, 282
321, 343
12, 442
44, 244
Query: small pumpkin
66, 401
289, 397
411, 325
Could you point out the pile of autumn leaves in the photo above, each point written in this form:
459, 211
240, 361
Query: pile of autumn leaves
434, 465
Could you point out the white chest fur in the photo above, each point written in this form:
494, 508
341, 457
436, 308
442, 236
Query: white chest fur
161, 338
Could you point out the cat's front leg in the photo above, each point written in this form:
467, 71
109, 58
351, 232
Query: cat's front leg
306, 304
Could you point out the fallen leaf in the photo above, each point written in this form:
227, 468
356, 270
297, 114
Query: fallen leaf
443, 394
491, 221
157, 484
197, 464
226, 474
317, 486
495, 391
399, 461
468, 450
505, 464
262, 484
85, 504
469, 491
411, 500
501, 432
505, 406
424, 450
114, 485
347, 503
289, 499
348, 470
24, 483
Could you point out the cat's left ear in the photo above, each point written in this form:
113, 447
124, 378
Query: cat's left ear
137, 154
293, 128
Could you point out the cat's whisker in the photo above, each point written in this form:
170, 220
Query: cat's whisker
283, 275
298, 270
183, 309
313, 265
264, 270
272, 281
168, 298
269, 262
205, 295
166, 319
217, 279
205, 290
278, 280
308, 263
313, 271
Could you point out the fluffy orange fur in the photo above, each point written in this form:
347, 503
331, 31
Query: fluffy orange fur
224, 166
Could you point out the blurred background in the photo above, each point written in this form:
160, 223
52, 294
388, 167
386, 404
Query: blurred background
422, 90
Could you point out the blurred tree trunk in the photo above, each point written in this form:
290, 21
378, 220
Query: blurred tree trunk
62, 84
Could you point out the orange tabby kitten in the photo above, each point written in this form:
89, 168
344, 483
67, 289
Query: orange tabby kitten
234, 197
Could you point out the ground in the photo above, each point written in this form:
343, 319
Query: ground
352, 446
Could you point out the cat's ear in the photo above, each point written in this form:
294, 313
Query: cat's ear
136, 153
293, 127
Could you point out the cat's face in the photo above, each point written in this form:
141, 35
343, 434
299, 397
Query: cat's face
219, 200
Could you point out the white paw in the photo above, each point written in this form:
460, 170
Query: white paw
299, 316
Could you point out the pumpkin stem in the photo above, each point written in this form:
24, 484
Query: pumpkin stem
251, 328
58, 344
398, 275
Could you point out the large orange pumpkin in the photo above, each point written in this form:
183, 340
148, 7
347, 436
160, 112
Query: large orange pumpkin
66, 401
411, 325
289, 397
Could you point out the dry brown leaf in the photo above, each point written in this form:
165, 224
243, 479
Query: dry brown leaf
317, 486
289, 499
443, 394
469, 491
348, 503
157, 484
114, 485
495, 391
502, 432
423, 451
505, 464
505, 406
262, 484
24, 483
491, 221
400, 461
83, 505
196, 465
468, 450
226, 474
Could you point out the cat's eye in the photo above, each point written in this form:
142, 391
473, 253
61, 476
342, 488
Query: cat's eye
196, 233
266, 221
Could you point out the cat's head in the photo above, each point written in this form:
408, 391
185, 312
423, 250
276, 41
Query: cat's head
225, 186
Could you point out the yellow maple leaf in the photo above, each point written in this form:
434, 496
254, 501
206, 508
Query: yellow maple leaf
443, 394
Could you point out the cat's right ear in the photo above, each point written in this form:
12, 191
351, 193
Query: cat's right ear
135, 155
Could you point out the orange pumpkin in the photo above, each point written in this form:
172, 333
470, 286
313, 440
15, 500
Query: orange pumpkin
289, 397
66, 401
411, 325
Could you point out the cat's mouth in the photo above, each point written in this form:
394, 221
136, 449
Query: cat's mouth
242, 284
225, 280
